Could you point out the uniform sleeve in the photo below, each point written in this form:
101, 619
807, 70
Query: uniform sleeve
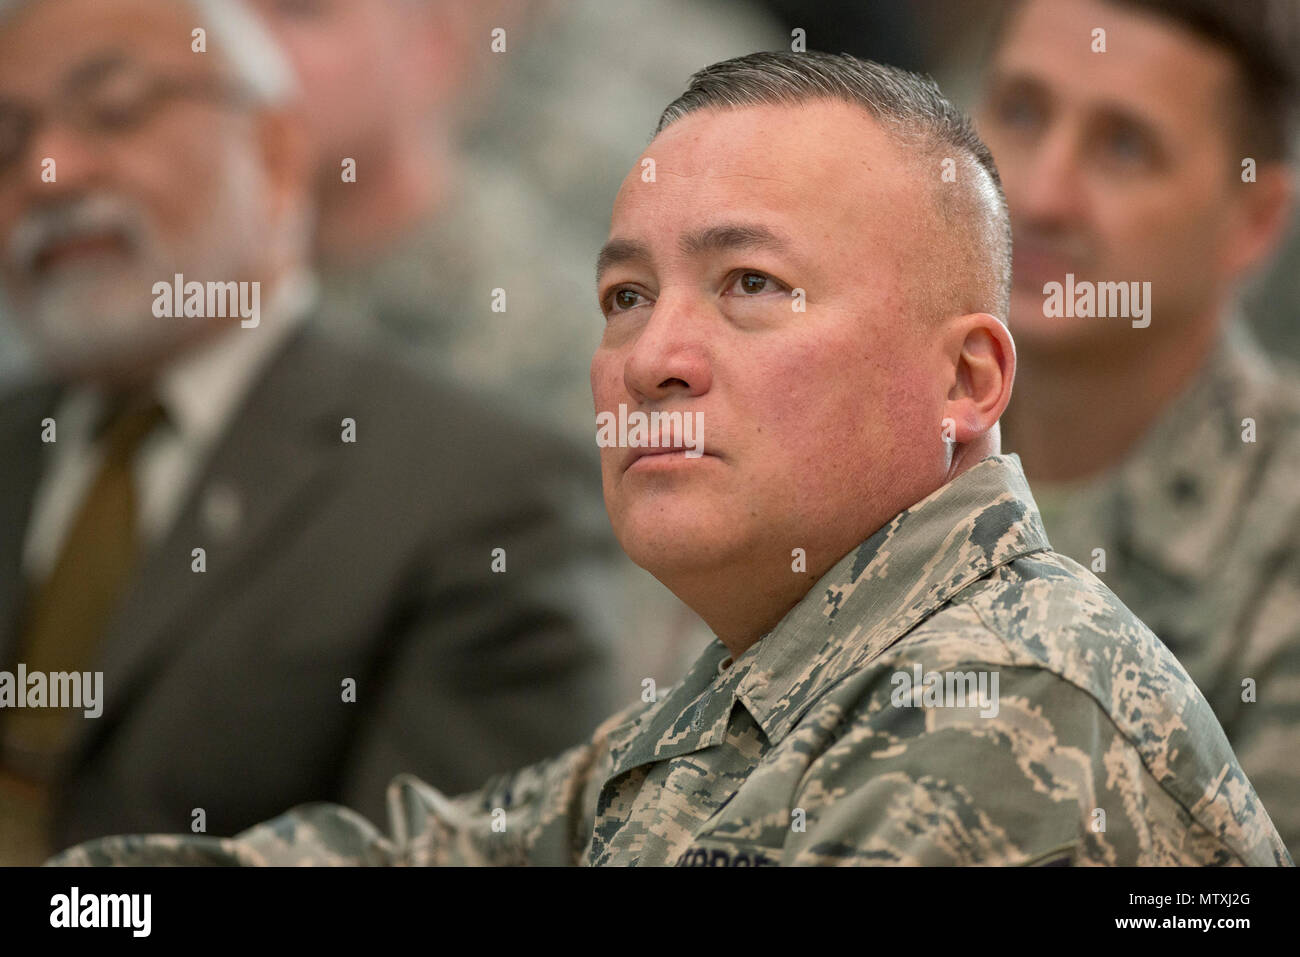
1045, 778
542, 814
1263, 718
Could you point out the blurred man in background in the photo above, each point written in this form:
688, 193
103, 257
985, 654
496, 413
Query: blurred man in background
1147, 143
300, 567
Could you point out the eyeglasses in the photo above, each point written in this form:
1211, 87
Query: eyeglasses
106, 98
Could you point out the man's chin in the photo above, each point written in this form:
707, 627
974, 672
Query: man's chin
667, 543
117, 350
1052, 335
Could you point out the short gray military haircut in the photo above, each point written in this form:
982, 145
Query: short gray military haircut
908, 106
238, 36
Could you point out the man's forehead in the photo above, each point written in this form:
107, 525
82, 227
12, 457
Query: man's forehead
807, 162
47, 41
1149, 62
775, 142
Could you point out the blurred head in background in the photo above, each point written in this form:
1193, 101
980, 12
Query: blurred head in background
1127, 165
128, 156
381, 82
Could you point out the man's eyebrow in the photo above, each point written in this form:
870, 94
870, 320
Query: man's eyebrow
618, 251
1120, 113
1007, 76
711, 239
1005, 82
732, 236
93, 71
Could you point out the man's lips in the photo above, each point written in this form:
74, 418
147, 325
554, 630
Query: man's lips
662, 456
80, 247
1035, 265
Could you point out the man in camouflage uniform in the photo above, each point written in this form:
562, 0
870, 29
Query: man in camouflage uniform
1101, 750
1165, 458
904, 672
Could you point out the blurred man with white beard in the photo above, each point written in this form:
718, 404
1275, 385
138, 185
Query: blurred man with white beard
259, 538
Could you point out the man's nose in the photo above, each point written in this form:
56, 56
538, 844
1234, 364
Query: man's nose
1048, 185
671, 354
78, 161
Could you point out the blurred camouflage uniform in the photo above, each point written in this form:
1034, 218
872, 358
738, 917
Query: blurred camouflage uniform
797, 753
1201, 538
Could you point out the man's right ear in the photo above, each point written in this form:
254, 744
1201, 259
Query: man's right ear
1260, 218
983, 357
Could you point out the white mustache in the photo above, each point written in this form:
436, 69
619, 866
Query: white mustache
81, 218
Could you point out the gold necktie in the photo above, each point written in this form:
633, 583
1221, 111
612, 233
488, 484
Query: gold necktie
65, 619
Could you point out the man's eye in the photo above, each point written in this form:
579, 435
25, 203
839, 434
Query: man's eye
115, 115
754, 283
306, 9
1127, 145
13, 131
623, 299
1019, 113
1018, 108
118, 103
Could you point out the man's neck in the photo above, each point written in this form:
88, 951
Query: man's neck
744, 599
741, 608
1075, 417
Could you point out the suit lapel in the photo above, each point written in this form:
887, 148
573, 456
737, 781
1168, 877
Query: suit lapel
24, 458
269, 468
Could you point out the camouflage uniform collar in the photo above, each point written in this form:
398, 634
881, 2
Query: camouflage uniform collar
692, 715
880, 590
1176, 497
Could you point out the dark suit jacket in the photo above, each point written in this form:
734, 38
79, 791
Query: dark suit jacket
371, 561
